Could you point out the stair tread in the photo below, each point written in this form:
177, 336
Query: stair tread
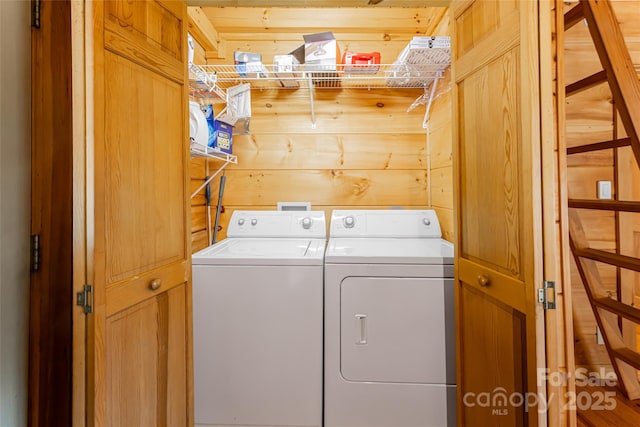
586, 83
615, 59
622, 261
605, 145
619, 308
573, 16
627, 355
607, 205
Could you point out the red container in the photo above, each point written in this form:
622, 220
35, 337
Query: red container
361, 62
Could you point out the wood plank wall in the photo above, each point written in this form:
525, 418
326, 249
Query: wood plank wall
200, 231
591, 118
275, 31
366, 151
440, 156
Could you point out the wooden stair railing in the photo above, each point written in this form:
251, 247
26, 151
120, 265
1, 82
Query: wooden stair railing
606, 311
616, 61
614, 143
619, 72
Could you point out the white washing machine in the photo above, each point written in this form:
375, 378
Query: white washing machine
389, 349
257, 322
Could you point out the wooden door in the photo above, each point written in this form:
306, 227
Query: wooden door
50, 305
136, 219
498, 211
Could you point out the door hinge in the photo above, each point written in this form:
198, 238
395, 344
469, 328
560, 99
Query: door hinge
35, 252
547, 295
35, 13
85, 299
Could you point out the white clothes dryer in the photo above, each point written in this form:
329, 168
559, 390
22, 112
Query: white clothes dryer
389, 352
257, 321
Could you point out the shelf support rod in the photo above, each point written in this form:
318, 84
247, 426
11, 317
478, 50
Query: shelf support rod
224, 110
428, 107
313, 111
208, 180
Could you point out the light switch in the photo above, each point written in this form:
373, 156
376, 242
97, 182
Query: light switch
604, 190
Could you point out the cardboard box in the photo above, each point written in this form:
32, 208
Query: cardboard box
223, 136
208, 114
426, 50
361, 63
409, 70
285, 67
220, 133
245, 57
430, 42
321, 52
285, 63
298, 53
249, 64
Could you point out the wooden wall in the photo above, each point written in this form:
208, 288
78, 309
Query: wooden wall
591, 118
440, 157
201, 233
275, 31
366, 151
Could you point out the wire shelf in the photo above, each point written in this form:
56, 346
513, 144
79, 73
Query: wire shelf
422, 62
203, 85
401, 75
198, 150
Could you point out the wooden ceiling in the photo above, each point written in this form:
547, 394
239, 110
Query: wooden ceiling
222, 26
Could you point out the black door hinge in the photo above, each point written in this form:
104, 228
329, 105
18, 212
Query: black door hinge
35, 13
35, 252
85, 299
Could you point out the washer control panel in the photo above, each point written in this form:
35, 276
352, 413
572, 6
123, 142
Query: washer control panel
349, 221
307, 222
385, 223
277, 224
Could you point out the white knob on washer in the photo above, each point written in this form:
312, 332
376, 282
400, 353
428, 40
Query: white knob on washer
254, 221
349, 221
426, 221
306, 223
241, 222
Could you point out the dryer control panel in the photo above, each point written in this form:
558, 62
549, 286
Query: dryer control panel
385, 223
310, 224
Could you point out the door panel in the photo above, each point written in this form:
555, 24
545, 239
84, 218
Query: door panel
499, 229
144, 191
490, 160
145, 350
149, 33
156, 23
139, 336
495, 332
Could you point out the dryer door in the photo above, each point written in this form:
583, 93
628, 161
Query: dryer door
395, 329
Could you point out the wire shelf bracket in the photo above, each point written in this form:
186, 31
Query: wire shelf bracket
210, 153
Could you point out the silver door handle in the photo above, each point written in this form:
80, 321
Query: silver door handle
363, 328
